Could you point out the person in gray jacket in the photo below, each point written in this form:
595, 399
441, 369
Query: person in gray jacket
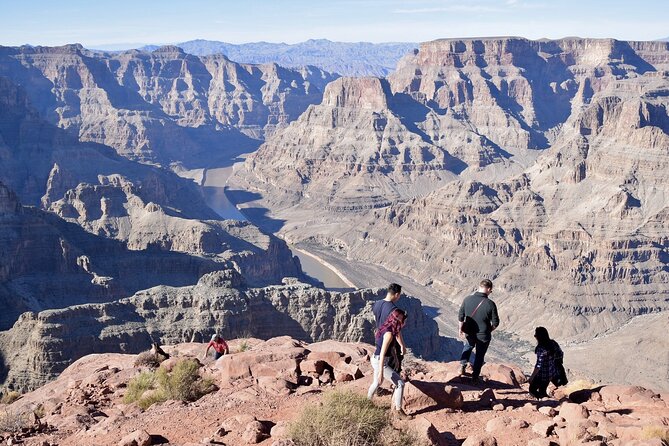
478, 318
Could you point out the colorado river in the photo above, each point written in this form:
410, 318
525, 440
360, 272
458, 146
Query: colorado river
213, 183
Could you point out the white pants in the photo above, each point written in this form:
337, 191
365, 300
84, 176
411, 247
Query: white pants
388, 374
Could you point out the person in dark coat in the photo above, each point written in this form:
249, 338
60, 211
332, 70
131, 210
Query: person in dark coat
549, 367
478, 318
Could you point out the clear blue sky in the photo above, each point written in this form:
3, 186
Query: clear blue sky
127, 22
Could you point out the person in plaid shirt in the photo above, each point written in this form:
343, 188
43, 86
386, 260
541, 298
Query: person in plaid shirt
549, 366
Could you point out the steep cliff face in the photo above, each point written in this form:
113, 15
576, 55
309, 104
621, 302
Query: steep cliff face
42, 345
563, 200
354, 151
49, 263
165, 106
142, 206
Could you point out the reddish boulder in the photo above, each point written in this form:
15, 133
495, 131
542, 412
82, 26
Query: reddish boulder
136, 438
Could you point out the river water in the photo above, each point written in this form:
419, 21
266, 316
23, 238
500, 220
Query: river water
213, 183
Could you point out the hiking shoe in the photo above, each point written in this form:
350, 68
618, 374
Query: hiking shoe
401, 415
476, 380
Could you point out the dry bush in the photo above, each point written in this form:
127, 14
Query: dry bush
138, 385
651, 432
148, 359
347, 419
12, 422
182, 383
243, 345
10, 397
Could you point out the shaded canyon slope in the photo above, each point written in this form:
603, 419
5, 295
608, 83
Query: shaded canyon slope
41, 345
80, 223
539, 164
164, 106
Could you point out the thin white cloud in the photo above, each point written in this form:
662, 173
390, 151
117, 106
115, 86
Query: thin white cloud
451, 8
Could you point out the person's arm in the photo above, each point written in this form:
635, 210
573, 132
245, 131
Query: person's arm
494, 320
541, 358
400, 341
387, 339
207, 351
461, 318
226, 351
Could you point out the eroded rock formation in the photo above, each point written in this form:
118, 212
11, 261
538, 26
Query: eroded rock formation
559, 195
165, 106
41, 345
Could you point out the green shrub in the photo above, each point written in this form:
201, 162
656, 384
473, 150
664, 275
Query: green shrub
138, 385
347, 419
10, 397
183, 383
243, 345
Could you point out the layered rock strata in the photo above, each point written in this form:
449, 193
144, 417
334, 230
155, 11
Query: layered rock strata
164, 106
41, 345
560, 197
49, 263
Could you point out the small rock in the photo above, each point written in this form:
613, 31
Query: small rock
544, 428
497, 424
480, 440
415, 400
280, 430
519, 424
541, 442
136, 438
487, 398
237, 423
315, 366
283, 442
255, 432
326, 377
498, 407
428, 432
529, 407
572, 412
548, 411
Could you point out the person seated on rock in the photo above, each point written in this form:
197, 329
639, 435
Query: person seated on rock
219, 345
549, 366
386, 333
159, 353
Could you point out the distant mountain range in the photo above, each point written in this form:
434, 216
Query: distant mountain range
347, 59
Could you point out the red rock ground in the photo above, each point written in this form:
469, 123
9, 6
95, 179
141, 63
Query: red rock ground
84, 406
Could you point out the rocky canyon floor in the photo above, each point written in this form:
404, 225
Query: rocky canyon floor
264, 386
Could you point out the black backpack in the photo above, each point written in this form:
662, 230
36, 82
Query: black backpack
395, 356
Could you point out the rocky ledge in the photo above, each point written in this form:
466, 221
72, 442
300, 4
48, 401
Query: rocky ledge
263, 386
41, 345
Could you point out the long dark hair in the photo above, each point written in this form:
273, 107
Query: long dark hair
393, 324
542, 337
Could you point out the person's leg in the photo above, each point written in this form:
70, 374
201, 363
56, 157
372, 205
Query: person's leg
217, 354
481, 349
538, 388
394, 377
468, 346
375, 383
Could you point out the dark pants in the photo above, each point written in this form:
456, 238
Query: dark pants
538, 387
481, 347
217, 354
